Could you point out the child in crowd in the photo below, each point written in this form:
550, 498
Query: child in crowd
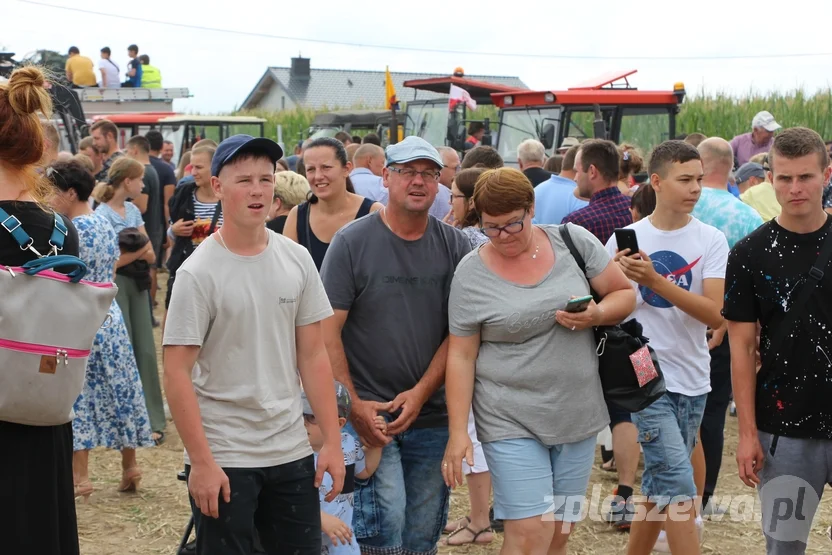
336, 516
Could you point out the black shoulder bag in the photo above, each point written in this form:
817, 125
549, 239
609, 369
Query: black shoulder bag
615, 345
813, 279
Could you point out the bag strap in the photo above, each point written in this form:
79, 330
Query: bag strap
576, 254
25, 242
215, 218
813, 279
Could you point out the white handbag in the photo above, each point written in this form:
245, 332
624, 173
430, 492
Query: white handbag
48, 322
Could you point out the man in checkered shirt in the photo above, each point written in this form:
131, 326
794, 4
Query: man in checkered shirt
596, 167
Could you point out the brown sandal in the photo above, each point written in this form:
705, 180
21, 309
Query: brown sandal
451, 529
474, 539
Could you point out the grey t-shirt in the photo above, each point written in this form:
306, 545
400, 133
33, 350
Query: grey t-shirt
243, 313
396, 292
534, 378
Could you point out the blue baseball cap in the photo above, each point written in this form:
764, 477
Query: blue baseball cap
342, 397
240, 144
410, 149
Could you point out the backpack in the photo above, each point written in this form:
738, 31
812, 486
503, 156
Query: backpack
48, 322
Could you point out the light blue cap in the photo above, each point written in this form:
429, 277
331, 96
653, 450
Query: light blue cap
410, 149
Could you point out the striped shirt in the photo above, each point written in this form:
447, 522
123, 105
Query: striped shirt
203, 215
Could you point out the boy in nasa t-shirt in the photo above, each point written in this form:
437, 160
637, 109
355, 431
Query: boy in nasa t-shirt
680, 278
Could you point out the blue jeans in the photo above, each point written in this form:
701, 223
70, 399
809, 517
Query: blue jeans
403, 507
667, 433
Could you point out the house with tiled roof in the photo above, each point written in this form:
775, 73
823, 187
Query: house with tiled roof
285, 88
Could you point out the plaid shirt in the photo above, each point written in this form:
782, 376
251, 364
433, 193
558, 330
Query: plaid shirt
608, 210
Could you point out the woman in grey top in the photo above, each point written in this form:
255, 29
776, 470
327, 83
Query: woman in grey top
529, 366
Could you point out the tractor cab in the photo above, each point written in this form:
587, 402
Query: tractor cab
353, 122
436, 120
185, 131
606, 107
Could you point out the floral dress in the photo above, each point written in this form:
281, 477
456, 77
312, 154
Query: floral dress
110, 412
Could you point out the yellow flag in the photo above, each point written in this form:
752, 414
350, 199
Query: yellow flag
390, 96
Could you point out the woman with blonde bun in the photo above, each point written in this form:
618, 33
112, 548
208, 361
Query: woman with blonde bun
38, 504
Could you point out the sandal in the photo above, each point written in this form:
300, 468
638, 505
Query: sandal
609, 466
84, 490
475, 536
130, 479
452, 527
158, 438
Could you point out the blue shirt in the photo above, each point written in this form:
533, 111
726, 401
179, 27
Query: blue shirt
728, 214
369, 185
132, 216
554, 199
342, 505
441, 204
136, 80
608, 210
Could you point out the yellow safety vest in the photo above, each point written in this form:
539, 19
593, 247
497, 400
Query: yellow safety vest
151, 77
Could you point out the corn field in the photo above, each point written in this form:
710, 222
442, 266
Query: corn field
713, 115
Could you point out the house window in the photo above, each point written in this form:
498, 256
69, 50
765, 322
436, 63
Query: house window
282, 102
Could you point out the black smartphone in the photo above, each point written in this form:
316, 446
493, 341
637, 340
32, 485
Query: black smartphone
626, 239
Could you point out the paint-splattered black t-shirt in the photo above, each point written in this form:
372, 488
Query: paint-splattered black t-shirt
765, 274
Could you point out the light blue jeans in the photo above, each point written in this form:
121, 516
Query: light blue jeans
667, 433
403, 508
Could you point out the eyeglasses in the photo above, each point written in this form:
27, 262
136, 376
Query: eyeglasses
409, 174
512, 229
457, 168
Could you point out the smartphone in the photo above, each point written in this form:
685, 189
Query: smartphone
626, 239
578, 304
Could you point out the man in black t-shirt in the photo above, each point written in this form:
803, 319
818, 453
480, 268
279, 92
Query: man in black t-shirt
785, 417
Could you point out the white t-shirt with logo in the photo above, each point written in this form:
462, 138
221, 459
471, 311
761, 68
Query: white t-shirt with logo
243, 312
686, 256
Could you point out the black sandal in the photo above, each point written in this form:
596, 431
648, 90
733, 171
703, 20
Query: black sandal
474, 537
159, 440
447, 531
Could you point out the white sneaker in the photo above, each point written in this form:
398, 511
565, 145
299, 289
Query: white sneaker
663, 547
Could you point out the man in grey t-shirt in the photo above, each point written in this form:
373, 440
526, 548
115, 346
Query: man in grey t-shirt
388, 277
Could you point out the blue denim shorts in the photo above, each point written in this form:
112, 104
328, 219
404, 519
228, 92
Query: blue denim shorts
531, 479
667, 432
403, 506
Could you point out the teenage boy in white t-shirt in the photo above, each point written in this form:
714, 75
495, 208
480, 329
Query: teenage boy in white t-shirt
244, 315
680, 276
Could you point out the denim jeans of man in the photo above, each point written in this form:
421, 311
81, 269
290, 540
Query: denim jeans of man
403, 507
667, 434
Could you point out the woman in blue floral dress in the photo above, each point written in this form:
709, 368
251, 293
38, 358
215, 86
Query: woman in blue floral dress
111, 410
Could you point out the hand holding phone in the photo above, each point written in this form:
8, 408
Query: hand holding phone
578, 304
626, 239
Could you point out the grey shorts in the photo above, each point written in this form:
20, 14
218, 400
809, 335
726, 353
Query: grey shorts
794, 474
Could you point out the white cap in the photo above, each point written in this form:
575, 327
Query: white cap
765, 121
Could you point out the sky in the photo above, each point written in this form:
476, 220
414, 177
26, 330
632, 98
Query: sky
709, 45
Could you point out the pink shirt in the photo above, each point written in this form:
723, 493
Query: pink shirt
744, 148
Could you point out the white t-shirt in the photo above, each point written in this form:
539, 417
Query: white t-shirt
687, 256
343, 504
111, 71
243, 311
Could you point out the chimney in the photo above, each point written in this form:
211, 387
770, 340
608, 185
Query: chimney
300, 68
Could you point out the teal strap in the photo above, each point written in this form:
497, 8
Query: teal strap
58, 234
13, 226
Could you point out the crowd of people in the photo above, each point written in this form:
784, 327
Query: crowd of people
352, 331
80, 70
